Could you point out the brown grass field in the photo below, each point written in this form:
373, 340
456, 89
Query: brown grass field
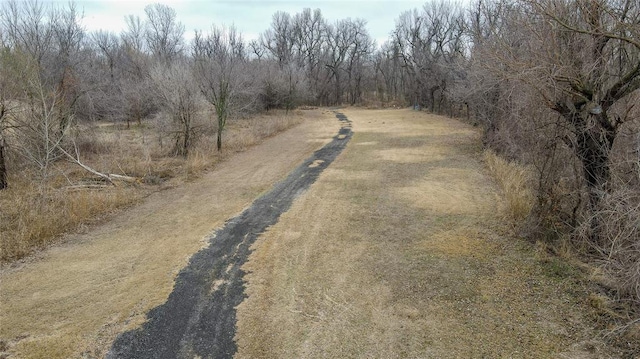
403, 248
71, 300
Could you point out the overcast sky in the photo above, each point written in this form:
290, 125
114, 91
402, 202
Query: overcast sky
251, 17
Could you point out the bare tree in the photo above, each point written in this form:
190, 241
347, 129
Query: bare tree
484, 91
135, 84
134, 36
389, 77
108, 47
9, 76
41, 45
220, 64
133, 43
164, 34
68, 36
257, 49
282, 87
347, 44
431, 43
310, 30
27, 26
3, 163
595, 79
39, 132
583, 59
279, 40
295, 43
176, 87
333, 57
360, 56
557, 85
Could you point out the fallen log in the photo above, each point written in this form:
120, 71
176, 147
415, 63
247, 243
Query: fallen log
109, 177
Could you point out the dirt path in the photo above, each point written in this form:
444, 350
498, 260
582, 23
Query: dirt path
399, 251
198, 320
75, 298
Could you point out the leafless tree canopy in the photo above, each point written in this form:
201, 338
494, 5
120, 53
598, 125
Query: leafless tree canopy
221, 65
163, 33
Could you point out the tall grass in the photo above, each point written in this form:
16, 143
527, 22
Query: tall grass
514, 181
34, 215
251, 131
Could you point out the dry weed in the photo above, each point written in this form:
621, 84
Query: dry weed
514, 180
249, 132
33, 217
198, 161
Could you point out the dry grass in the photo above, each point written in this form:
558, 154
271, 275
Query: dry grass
375, 262
618, 268
248, 132
35, 215
355, 269
71, 300
515, 181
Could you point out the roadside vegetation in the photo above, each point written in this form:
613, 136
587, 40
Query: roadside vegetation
515, 181
89, 121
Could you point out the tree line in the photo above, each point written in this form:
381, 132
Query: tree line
553, 83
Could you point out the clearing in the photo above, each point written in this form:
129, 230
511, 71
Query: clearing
399, 250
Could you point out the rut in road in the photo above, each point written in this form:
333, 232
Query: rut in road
199, 316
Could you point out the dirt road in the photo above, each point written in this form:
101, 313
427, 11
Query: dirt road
398, 250
74, 299
198, 319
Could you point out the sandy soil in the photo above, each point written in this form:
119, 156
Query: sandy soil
400, 251
75, 298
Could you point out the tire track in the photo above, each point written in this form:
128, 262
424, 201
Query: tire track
199, 317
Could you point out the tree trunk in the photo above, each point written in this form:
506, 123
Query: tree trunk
466, 104
3, 167
187, 139
593, 146
221, 123
338, 87
594, 156
433, 98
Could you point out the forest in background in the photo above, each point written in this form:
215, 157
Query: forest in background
553, 83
